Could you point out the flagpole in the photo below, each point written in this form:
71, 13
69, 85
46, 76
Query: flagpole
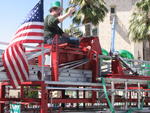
62, 12
43, 59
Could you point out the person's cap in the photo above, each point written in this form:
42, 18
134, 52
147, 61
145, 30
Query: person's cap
55, 4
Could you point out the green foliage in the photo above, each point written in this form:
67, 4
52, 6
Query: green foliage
74, 31
139, 28
88, 11
31, 92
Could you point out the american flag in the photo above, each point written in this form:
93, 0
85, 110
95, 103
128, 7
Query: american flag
30, 31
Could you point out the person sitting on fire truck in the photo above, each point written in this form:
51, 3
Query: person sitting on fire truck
51, 27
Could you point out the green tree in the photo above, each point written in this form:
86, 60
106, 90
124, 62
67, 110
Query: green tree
88, 11
74, 31
139, 28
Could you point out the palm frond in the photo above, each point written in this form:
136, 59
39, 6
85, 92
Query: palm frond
91, 11
139, 28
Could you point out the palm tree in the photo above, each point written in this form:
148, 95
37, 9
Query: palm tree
139, 29
88, 11
74, 31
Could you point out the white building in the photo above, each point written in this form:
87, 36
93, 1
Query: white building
123, 10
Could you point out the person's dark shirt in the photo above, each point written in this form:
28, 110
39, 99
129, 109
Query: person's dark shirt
51, 27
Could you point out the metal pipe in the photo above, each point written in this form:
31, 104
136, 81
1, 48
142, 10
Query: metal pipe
62, 12
73, 83
71, 66
112, 95
139, 96
43, 60
72, 62
73, 89
126, 95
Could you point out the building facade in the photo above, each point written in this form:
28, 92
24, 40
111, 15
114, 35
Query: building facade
122, 10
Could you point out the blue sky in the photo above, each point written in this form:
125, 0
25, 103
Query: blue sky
13, 13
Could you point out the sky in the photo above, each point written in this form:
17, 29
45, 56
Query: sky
13, 13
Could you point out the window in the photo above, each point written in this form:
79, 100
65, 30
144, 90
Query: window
112, 13
95, 31
112, 10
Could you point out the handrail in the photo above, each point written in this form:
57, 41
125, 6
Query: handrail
139, 66
38, 53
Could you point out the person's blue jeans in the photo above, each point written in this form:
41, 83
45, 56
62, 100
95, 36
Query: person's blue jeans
61, 40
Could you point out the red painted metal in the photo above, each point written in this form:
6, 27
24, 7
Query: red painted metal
134, 77
25, 101
44, 99
2, 95
63, 53
89, 100
116, 67
55, 57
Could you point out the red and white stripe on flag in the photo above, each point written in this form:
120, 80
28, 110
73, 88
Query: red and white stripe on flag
31, 31
16, 64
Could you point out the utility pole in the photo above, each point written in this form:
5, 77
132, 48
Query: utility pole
112, 50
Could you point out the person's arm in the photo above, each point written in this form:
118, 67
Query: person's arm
64, 16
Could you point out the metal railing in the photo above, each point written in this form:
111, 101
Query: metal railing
142, 68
